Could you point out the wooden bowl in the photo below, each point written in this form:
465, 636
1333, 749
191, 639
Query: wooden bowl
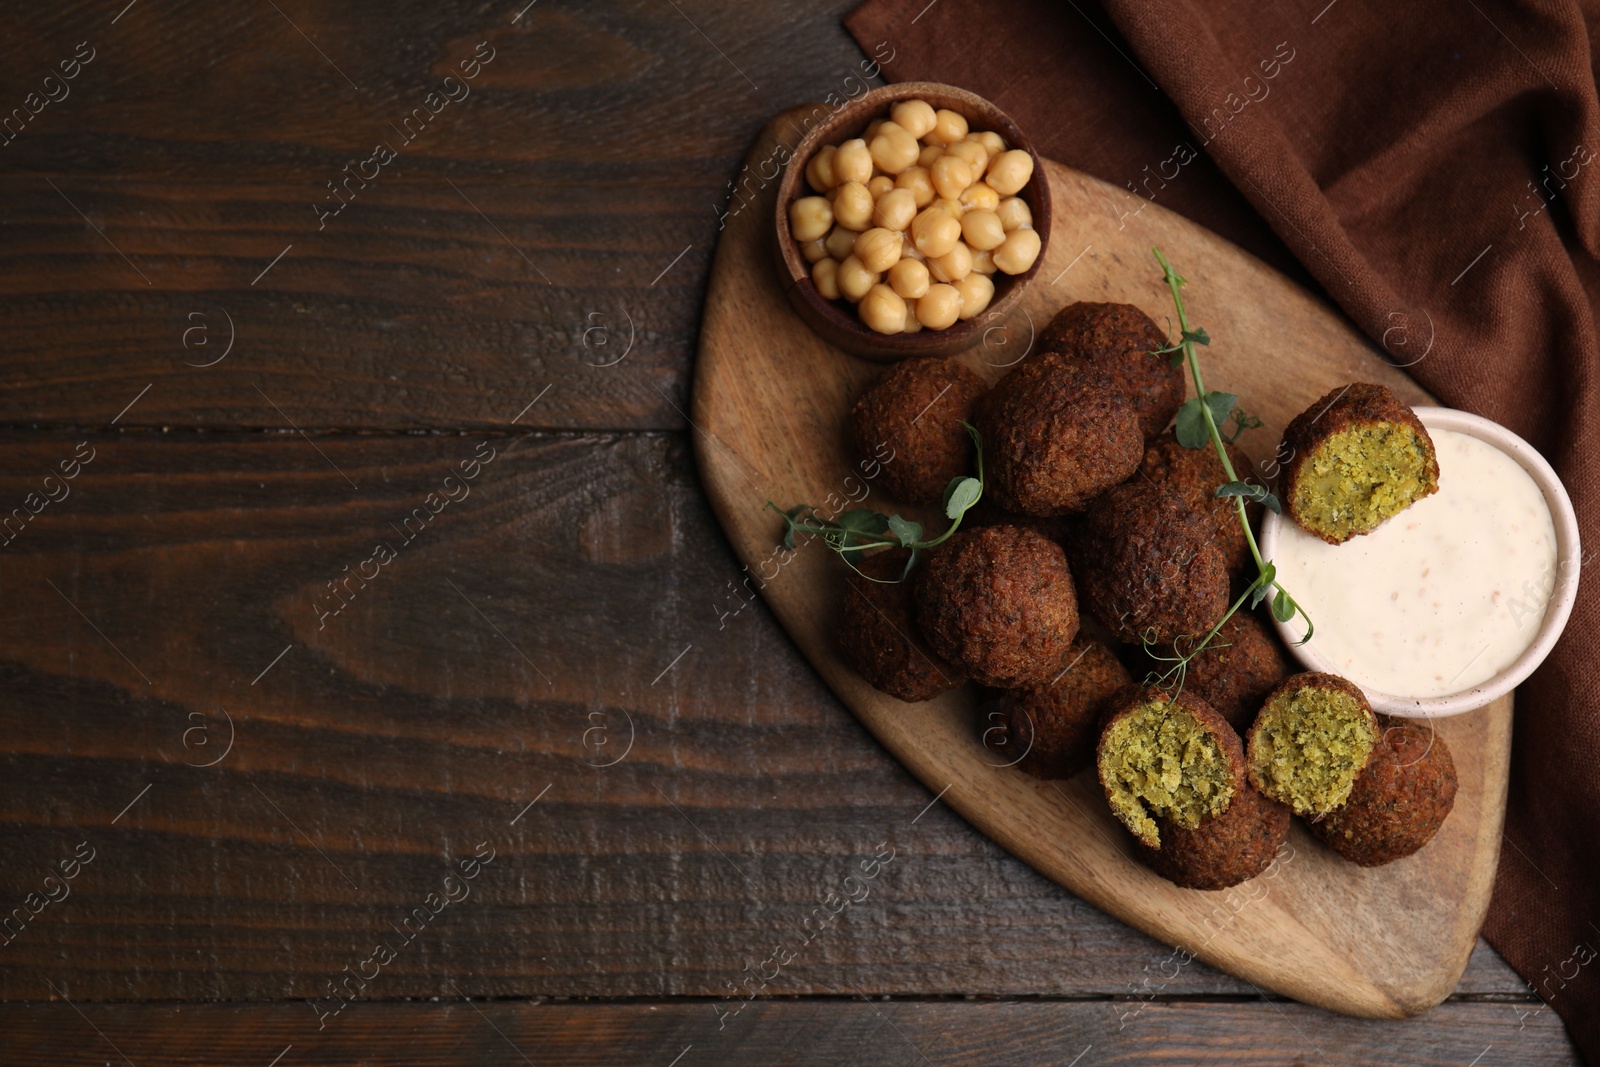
835, 320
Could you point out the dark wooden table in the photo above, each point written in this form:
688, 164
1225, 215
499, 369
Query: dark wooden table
358, 589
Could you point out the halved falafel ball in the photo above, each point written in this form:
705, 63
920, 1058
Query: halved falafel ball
1313, 737
1356, 457
1050, 730
1165, 759
1193, 475
1400, 800
999, 603
1148, 566
1236, 671
878, 634
1232, 848
916, 408
1120, 340
1056, 435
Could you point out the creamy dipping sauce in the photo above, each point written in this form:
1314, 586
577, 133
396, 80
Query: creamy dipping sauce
1444, 595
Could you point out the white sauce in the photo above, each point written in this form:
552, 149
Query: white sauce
1442, 596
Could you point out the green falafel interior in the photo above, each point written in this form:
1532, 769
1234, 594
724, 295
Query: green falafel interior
1308, 746
1361, 476
1157, 761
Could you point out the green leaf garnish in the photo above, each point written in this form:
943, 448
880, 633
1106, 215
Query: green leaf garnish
1251, 491
907, 531
961, 494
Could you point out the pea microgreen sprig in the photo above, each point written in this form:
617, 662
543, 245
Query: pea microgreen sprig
1197, 426
862, 529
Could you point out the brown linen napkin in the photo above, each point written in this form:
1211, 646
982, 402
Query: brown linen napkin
1432, 166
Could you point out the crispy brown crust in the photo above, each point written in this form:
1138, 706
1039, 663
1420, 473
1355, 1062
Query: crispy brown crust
1400, 800
1123, 702
1118, 340
1055, 436
1149, 567
1309, 680
1222, 852
878, 634
999, 602
1193, 475
1234, 674
1361, 403
1051, 730
916, 408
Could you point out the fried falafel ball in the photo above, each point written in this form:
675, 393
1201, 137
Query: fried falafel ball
916, 408
1120, 340
1193, 476
1050, 730
1400, 800
1309, 744
999, 603
1232, 848
878, 633
1056, 434
1167, 760
1236, 671
1148, 566
1357, 457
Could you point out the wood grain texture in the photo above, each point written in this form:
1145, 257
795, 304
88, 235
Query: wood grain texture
599, 144
1386, 942
854, 1031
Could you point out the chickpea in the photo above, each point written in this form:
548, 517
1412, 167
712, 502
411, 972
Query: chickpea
983, 263
975, 154
939, 307
893, 149
914, 116
979, 196
948, 128
853, 163
825, 276
928, 154
982, 230
840, 243
1017, 254
952, 208
951, 176
895, 209
912, 325
1009, 171
852, 206
815, 251
871, 131
992, 142
911, 252
883, 310
855, 280
1014, 213
909, 278
880, 184
878, 249
809, 218
976, 291
953, 265
819, 172
919, 182
935, 233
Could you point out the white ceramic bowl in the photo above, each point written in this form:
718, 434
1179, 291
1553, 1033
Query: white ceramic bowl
1568, 560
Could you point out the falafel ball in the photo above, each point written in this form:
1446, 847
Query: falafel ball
1314, 735
1232, 848
916, 408
1193, 475
1167, 760
999, 603
1120, 340
1148, 566
1400, 800
1056, 434
1234, 673
878, 633
1050, 730
1356, 457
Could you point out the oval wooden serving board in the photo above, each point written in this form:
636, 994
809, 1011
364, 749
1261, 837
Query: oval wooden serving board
770, 400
